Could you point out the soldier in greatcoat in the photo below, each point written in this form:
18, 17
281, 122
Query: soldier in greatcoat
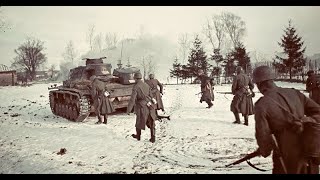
242, 87
283, 112
154, 83
101, 101
141, 99
206, 89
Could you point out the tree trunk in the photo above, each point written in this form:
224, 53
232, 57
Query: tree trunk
177, 79
290, 73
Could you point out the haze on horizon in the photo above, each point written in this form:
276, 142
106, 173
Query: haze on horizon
57, 25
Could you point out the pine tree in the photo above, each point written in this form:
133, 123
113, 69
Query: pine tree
176, 70
197, 59
238, 56
292, 46
241, 55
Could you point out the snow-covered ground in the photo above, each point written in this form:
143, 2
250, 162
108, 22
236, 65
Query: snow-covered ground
195, 140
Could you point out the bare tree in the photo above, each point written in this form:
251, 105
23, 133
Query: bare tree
98, 42
30, 56
235, 27
219, 29
70, 52
90, 36
184, 43
209, 32
148, 66
51, 70
111, 40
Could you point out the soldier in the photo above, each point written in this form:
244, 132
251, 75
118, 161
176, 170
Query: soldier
206, 89
101, 102
144, 109
154, 83
312, 86
281, 112
242, 87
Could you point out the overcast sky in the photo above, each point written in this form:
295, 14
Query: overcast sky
57, 25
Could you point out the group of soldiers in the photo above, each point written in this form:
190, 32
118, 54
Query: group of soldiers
242, 89
145, 100
284, 113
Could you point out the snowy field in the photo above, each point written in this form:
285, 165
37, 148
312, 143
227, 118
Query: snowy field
195, 140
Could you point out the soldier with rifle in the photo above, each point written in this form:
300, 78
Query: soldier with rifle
290, 117
141, 100
242, 87
206, 89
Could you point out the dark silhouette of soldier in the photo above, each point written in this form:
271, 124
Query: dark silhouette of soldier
101, 102
284, 112
141, 99
206, 88
242, 87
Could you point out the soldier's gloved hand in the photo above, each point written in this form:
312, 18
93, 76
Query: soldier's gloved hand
297, 126
253, 94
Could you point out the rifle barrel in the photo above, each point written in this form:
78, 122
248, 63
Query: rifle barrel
248, 156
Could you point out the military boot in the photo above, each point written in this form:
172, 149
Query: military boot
246, 120
237, 121
153, 137
99, 120
138, 135
105, 119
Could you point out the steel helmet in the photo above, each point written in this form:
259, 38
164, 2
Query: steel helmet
151, 76
262, 73
310, 72
239, 69
137, 75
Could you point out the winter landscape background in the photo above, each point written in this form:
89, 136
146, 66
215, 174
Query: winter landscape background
195, 140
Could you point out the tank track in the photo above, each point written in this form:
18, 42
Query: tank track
69, 105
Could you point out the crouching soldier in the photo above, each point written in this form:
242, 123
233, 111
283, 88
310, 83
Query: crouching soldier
101, 102
144, 109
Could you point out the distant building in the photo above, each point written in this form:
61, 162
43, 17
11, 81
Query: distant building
8, 77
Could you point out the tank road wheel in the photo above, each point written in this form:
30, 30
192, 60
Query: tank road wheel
74, 112
64, 110
69, 112
56, 109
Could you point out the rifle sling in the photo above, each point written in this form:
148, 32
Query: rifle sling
255, 167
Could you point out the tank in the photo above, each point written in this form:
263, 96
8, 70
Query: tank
72, 100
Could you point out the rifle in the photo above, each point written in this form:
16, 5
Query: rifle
247, 157
225, 92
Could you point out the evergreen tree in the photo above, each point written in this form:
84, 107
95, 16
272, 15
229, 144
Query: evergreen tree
176, 70
197, 59
292, 46
241, 55
237, 57
229, 64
